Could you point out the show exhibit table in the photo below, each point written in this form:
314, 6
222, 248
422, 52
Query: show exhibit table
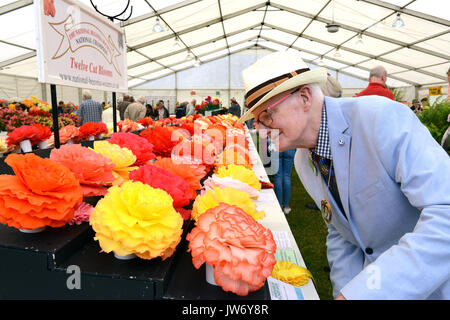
275, 220
66, 263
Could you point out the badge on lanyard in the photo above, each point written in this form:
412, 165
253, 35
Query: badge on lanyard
325, 208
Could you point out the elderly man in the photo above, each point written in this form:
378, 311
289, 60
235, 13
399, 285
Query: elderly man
376, 172
89, 110
190, 108
377, 84
136, 110
122, 106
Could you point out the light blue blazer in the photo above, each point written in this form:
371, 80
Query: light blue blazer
394, 183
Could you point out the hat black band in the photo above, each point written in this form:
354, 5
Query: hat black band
269, 85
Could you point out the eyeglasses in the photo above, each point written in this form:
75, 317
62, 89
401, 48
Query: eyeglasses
265, 118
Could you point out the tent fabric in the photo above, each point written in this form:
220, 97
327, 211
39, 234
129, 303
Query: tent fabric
416, 54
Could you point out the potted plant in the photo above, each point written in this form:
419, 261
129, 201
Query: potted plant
435, 118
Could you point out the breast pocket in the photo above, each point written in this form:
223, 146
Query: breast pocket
370, 191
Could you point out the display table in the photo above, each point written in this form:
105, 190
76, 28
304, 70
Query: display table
275, 220
40, 266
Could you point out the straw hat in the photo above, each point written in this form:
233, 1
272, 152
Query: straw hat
275, 73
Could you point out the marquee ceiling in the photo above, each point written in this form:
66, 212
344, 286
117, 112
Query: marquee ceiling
417, 53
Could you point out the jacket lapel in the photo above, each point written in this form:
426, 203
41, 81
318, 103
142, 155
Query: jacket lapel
340, 142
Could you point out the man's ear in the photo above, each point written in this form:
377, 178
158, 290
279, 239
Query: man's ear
304, 95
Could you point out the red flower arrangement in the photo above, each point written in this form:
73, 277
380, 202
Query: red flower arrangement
42, 193
161, 138
156, 177
92, 170
192, 174
22, 133
49, 8
44, 133
146, 122
218, 133
92, 129
82, 213
127, 125
35, 111
240, 249
141, 148
200, 151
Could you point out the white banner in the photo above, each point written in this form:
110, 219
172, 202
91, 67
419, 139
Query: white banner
80, 48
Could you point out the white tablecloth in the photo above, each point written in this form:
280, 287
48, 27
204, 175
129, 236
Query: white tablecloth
276, 221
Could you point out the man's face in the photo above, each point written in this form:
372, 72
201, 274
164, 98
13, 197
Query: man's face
288, 119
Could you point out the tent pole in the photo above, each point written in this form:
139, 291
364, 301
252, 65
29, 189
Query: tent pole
55, 115
114, 111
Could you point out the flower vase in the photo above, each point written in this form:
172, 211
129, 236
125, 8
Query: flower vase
91, 138
99, 136
126, 257
25, 145
210, 274
43, 144
69, 142
37, 230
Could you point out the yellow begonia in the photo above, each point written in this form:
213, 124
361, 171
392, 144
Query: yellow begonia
240, 173
291, 273
137, 219
123, 158
212, 198
3, 146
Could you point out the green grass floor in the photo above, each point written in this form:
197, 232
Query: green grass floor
310, 233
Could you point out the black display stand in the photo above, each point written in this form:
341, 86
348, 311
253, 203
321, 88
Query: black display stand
189, 283
39, 266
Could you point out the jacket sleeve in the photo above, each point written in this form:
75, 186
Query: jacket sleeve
345, 260
420, 262
126, 114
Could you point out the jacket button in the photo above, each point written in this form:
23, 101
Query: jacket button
369, 250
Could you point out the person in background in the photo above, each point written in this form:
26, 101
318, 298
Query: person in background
122, 106
149, 112
282, 177
107, 116
89, 110
234, 108
136, 110
416, 106
180, 111
161, 111
377, 84
425, 103
332, 87
61, 107
445, 143
190, 108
